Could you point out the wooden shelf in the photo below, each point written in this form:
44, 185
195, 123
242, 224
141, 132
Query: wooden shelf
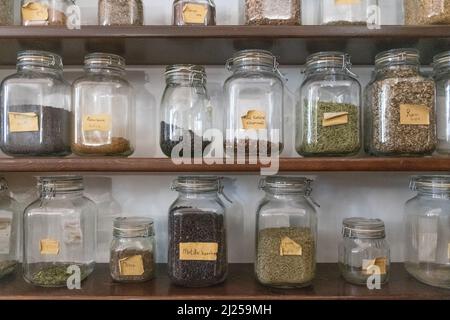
156, 45
240, 285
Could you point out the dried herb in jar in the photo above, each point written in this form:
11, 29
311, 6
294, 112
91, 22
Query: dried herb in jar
6, 12
56, 275
273, 12
117, 146
120, 12
7, 267
132, 265
420, 12
245, 148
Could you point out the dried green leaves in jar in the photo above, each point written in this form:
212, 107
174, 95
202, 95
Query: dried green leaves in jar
422, 12
273, 12
120, 12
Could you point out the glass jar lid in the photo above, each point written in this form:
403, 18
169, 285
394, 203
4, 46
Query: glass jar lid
38, 58
328, 59
3, 184
188, 72
133, 227
431, 184
100, 60
253, 58
363, 228
441, 60
60, 184
198, 184
284, 184
397, 57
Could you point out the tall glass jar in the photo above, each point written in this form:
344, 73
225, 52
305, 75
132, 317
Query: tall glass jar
35, 107
133, 250
197, 233
364, 251
9, 230
420, 12
329, 109
286, 233
45, 12
427, 220
59, 233
6, 12
441, 66
194, 12
254, 105
186, 111
120, 12
104, 109
344, 12
400, 106
273, 12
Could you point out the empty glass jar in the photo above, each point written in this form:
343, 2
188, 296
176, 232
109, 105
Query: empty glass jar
441, 66
35, 107
103, 108
273, 12
194, 12
344, 12
6, 12
120, 12
364, 251
427, 220
186, 110
45, 12
329, 109
59, 233
420, 12
286, 233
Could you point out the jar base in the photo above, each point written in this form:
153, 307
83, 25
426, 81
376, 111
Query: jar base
425, 271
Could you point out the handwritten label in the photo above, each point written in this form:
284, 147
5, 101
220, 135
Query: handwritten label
334, 119
23, 122
379, 262
344, 2
414, 114
289, 247
254, 120
131, 266
49, 247
5, 235
194, 13
199, 251
34, 11
97, 122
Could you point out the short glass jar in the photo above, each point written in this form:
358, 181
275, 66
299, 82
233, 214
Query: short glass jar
132, 256
364, 251
59, 233
427, 236
197, 233
6, 12
286, 233
400, 107
273, 12
186, 110
194, 12
120, 12
35, 107
329, 109
441, 64
344, 12
423, 12
45, 12
104, 109
254, 105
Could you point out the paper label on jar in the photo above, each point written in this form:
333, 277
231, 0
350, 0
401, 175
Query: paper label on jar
414, 114
375, 266
23, 122
334, 119
289, 247
97, 122
5, 234
344, 2
49, 247
131, 266
194, 13
254, 120
199, 251
34, 11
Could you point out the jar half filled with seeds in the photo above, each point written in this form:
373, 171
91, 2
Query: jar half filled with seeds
420, 12
133, 250
345, 12
6, 12
197, 233
273, 12
194, 13
120, 12
286, 233
441, 66
45, 12
364, 252
400, 106
329, 109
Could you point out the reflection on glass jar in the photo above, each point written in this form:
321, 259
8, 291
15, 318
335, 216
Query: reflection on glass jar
45, 12
194, 12
441, 64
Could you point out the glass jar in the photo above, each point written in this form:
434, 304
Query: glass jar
441, 64
286, 233
420, 12
9, 230
400, 106
186, 110
364, 251
344, 12
45, 12
273, 12
6, 12
103, 108
329, 109
35, 107
133, 250
254, 105
197, 233
427, 220
194, 12
120, 12
59, 233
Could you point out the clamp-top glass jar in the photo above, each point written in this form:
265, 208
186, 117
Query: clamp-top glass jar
197, 233
194, 12
35, 107
420, 12
59, 233
120, 12
273, 12
427, 220
345, 12
45, 12
400, 106
104, 109
329, 109
441, 64
364, 251
254, 105
186, 110
286, 233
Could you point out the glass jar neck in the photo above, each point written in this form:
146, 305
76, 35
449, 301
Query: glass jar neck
39, 68
55, 195
254, 68
412, 68
185, 81
105, 70
188, 194
277, 195
327, 70
444, 194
